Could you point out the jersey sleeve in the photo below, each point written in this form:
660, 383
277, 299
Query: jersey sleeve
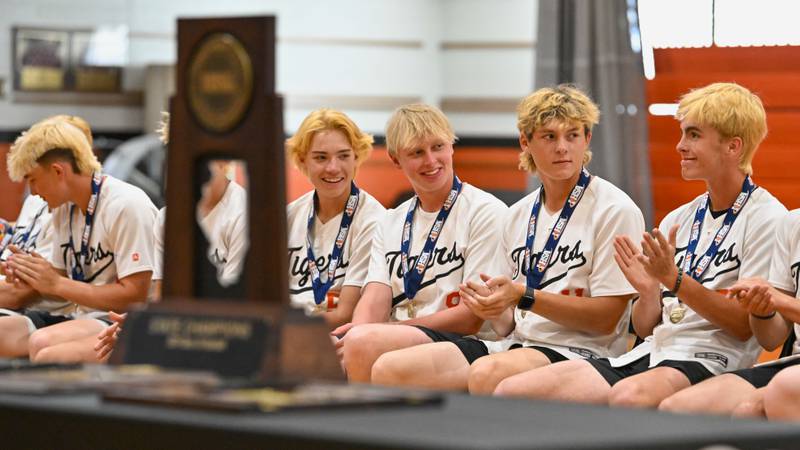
360, 249
131, 234
484, 240
759, 241
780, 273
378, 267
606, 278
158, 245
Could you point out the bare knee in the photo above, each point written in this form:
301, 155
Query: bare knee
628, 395
38, 341
673, 404
483, 376
512, 387
390, 370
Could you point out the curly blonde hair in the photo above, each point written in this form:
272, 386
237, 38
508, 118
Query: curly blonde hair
565, 103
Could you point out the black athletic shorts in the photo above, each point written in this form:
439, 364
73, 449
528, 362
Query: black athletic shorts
693, 370
551, 354
761, 376
43, 319
470, 347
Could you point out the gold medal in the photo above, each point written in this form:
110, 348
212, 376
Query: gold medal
321, 308
412, 310
677, 313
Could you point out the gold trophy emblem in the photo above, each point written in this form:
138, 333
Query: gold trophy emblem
220, 86
677, 314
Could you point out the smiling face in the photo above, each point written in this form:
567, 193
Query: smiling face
330, 164
703, 151
558, 149
428, 164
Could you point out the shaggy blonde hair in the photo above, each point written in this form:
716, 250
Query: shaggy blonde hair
565, 103
733, 111
297, 146
411, 123
54, 133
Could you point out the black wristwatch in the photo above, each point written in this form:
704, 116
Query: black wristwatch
527, 300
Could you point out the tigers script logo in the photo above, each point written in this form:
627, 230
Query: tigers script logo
449, 260
725, 261
97, 261
567, 255
298, 267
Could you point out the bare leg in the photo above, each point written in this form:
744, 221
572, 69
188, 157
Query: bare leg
782, 395
648, 389
64, 332
364, 344
438, 365
571, 381
752, 406
487, 372
78, 350
14, 333
716, 395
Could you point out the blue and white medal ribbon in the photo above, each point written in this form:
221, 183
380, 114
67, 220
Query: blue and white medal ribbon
81, 259
535, 272
412, 277
702, 265
321, 288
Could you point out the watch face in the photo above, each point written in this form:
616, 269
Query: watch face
220, 86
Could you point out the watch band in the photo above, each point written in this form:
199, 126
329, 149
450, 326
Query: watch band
526, 301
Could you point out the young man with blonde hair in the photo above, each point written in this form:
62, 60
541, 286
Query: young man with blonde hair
330, 227
102, 240
554, 296
703, 247
423, 249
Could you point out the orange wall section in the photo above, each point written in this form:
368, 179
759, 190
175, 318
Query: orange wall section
10, 192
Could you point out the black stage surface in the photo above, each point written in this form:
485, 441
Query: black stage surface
461, 422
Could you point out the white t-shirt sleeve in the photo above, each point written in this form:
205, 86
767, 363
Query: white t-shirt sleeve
606, 278
484, 240
378, 268
131, 233
236, 242
158, 245
759, 241
780, 274
360, 249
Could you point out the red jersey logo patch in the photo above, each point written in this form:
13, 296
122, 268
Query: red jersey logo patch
135, 257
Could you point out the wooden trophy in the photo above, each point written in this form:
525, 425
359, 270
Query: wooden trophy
226, 109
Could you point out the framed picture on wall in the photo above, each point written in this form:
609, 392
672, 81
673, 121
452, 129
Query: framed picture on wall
40, 59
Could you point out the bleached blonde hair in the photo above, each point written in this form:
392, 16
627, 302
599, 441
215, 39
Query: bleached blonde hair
66, 133
733, 111
298, 146
414, 122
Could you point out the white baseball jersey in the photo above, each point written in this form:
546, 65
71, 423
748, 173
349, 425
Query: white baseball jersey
583, 266
465, 249
158, 244
784, 272
352, 267
121, 242
33, 232
225, 228
745, 252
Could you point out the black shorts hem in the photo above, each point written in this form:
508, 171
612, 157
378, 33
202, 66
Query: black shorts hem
761, 376
470, 347
42, 319
693, 370
551, 354
613, 375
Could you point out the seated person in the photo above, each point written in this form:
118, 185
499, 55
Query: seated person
577, 303
31, 233
330, 228
774, 310
705, 246
423, 250
102, 241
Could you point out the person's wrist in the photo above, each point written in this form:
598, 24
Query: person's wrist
677, 279
764, 317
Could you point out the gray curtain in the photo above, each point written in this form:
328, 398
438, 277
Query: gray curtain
588, 43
